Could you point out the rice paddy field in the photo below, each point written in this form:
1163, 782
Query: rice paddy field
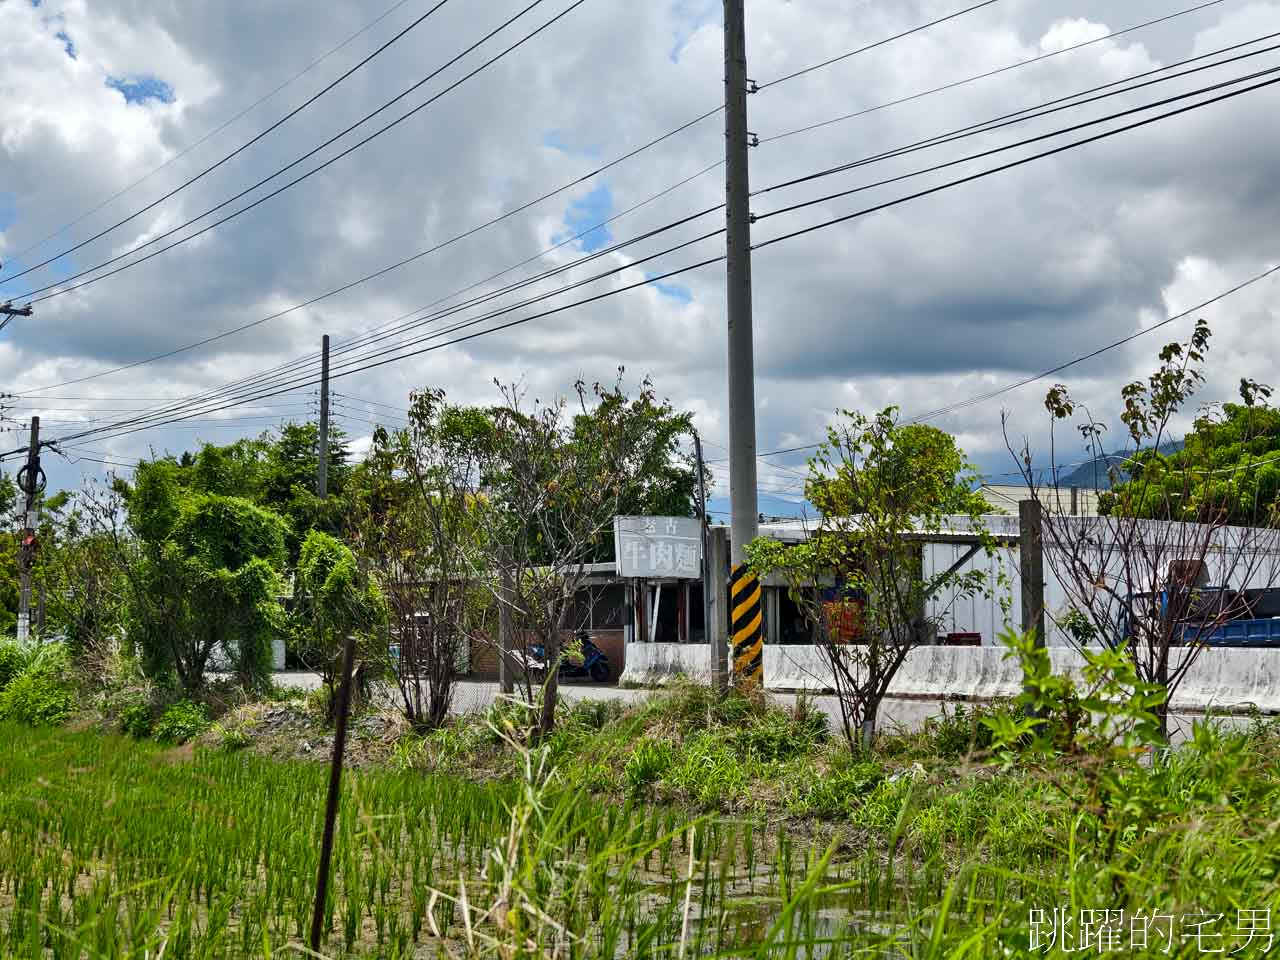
113, 848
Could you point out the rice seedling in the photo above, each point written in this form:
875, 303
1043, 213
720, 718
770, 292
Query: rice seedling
115, 848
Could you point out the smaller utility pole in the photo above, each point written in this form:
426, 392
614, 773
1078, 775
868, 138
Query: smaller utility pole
718, 624
29, 479
322, 474
334, 796
1031, 564
506, 631
706, 559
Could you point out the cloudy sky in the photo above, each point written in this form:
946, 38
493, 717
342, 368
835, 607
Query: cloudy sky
920, 305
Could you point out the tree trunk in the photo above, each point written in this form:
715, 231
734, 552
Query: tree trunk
550, 688
1162, 678
869, 724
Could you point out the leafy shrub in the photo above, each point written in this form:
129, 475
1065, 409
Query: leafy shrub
594, 714
231, 739
317, 701
37, 699
957, 734
780, 736
48, 660
13, 661
708, 771
649, 762
693, 704
135, 720
835, 794
408, 753
511, 717
181, 722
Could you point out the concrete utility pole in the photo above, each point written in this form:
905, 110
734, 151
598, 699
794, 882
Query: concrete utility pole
1031, 568
742, 395
702, 516
718, 614
29, 480
322, 472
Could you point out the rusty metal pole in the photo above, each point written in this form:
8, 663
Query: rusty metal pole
335, 783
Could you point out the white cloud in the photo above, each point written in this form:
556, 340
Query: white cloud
920, 306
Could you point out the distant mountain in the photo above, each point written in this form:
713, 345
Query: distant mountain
1097, 473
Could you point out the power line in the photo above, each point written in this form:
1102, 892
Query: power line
401, 417
238, 150
831, 171
395, 359
215, 131
255, 382
991, 394
373, 403
298, 384
1124, 113
543, 253
677, 130
279, 190
569, 306
385, 270
1016, 385
878, 43
1054, 106
991, 73
1016, 163
248, 383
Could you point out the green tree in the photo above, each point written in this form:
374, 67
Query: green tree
416, 517
8, 495
8, 557
916, 467
1201, 517
644, 451
80, 572
1228, 467
555, 478
333, 600
278, 471
288, 484
874, 480
206, 578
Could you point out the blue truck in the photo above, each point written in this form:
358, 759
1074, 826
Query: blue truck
1253, 616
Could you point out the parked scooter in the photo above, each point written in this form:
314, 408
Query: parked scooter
592, 663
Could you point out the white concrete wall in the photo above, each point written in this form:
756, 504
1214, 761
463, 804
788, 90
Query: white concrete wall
1223, 679
650, 664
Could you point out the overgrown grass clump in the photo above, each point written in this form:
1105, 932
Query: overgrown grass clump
36, 687
110, 847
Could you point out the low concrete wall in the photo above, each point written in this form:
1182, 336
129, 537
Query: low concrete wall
653, 664
1225, 680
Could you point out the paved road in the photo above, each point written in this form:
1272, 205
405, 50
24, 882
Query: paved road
904, 715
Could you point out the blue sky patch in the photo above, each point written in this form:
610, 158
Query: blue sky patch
690, 16
142, 87
673, 290
8, 210
67, 43
555, 139
586, 212
14, 289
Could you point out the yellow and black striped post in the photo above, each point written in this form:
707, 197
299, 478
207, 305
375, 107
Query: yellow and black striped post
746, 626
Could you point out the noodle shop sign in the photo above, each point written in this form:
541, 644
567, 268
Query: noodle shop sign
658, 547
